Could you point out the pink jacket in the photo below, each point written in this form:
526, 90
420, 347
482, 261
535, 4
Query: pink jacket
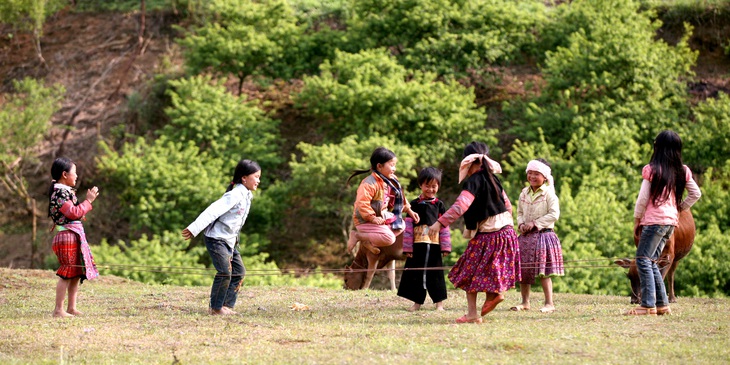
667, 213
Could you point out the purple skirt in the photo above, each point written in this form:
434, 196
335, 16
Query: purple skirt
541, 256
491, 263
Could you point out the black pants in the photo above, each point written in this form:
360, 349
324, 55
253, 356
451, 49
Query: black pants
415, 283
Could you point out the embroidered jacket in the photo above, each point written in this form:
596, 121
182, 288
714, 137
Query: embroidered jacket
429, 210
373, 188
543, 208
64, 207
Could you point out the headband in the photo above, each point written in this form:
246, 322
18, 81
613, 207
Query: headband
466, 163
542, 168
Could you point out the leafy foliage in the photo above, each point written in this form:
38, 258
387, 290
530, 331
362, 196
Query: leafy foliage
370, 93
164, 184
220, 123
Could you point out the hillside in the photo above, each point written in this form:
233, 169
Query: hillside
129, 322
109, 80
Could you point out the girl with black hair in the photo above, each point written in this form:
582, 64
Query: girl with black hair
222, 222
379, 204
69, 244
491, 261
656, 213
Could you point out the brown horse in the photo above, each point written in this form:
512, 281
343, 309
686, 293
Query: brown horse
676, 248
356, 276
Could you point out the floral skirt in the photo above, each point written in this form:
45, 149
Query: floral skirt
67, 247
541, 256
491, 263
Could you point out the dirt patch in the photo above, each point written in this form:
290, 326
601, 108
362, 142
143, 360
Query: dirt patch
96, 57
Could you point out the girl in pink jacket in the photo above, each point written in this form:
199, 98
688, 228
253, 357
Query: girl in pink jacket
656, 214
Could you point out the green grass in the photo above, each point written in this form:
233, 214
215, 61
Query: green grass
129, 322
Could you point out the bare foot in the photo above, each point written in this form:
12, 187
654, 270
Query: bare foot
414, 307
62, 314
228, 310
216, 312
440, 306
75, 312
352, 241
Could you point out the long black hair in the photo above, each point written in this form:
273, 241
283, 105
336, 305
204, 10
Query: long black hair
60, 165
244, 168
380, 155
667, 170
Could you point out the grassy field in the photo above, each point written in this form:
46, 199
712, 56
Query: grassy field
128, 322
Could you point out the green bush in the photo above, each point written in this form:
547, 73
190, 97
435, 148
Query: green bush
370, 93
221, 124
706, 269
164, 185
162, 259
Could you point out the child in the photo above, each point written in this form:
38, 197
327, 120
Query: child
380, 189
222, 222
540, 252
424, 248
656, 213
69, 244
491, 261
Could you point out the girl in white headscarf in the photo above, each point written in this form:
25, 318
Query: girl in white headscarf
541, 256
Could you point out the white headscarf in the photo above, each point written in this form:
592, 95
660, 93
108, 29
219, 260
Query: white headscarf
544, 169
466, 163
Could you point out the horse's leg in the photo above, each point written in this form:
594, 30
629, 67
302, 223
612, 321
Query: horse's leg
670, 282
372, 265
391, 275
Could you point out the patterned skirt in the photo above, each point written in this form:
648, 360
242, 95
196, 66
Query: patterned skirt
67, 247
491, 263
541, 256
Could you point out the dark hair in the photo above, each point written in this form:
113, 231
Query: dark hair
380, 155
428, 174
667, 170
479, 148
244, 168
60, 165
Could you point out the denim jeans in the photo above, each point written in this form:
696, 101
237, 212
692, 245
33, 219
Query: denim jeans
227, 282
651, 244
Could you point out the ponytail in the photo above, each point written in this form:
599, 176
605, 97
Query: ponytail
380, 155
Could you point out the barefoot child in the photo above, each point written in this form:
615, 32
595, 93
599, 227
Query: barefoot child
69, 244
381, 189
540, 253
491, 261
424, 248
222, 222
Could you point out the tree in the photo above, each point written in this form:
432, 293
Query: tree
30, 15
24, 120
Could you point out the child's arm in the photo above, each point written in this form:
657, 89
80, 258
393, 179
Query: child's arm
210, 214
444, 232
693, 191
75, 212
365, 194
408, 236
521, 211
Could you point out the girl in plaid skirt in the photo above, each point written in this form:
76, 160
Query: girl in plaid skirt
69, 244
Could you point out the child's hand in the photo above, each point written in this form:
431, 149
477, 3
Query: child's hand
415, 216
436, 227
378, 220
408, 255
91, 194
187, 234
444, 254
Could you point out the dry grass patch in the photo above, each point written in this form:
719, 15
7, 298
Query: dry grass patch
128, 322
